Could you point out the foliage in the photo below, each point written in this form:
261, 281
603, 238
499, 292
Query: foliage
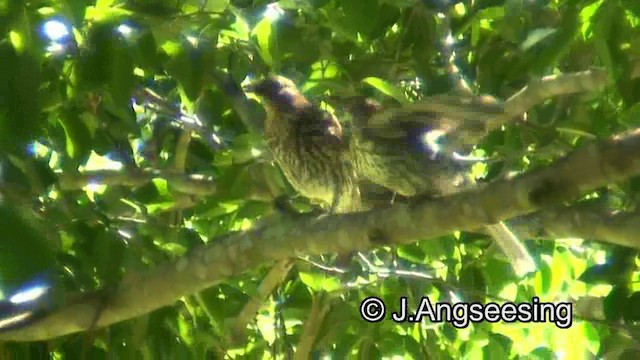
76, 85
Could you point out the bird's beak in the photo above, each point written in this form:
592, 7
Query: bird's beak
249, 88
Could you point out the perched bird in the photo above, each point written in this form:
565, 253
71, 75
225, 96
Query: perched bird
403, 155
308, 145
322, 164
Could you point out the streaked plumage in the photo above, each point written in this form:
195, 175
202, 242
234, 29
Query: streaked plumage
398, 157
308, 145
395, 156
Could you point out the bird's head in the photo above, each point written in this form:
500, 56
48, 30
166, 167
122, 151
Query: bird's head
275, 90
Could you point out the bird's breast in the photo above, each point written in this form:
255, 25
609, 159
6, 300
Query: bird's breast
311, 157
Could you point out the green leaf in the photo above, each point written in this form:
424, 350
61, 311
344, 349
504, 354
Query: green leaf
264, 35
108, 252
542, 352
491, 13
494, 351
216, 5
76, 9
411, 252
631, 116
320, 281
472, 277
388, 15
592, 337
420, 30
556, 46
602, 274
146, 53
602, 28
443, 247
25, 253
386, 88
543, 278
106, 64
632, 6
19, 103
360, 16
188, 64
247, 147
78, 137
616, 302
297, 43
632, 310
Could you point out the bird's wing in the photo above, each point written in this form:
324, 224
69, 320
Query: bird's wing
463, 119
442, 111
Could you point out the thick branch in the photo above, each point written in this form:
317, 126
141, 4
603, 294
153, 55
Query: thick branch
586, 169
590, 220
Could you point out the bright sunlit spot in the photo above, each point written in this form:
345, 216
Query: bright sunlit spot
94, 188
55, 30
191, 119
248, 80
55, 48
431, 138
460, 9
30, 294
15, 319
125, 30
273, 12
125, 234
17, 40
448, 40
255, 152
37, 150
192, 40
510, 291
97, 162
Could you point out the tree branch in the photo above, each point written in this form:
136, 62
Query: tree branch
586, 169
186, 121
485, 112
189, 184
320, 305
587, 220
274, 277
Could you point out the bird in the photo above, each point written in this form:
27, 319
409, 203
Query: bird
308, 144
322, 164
403, 155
